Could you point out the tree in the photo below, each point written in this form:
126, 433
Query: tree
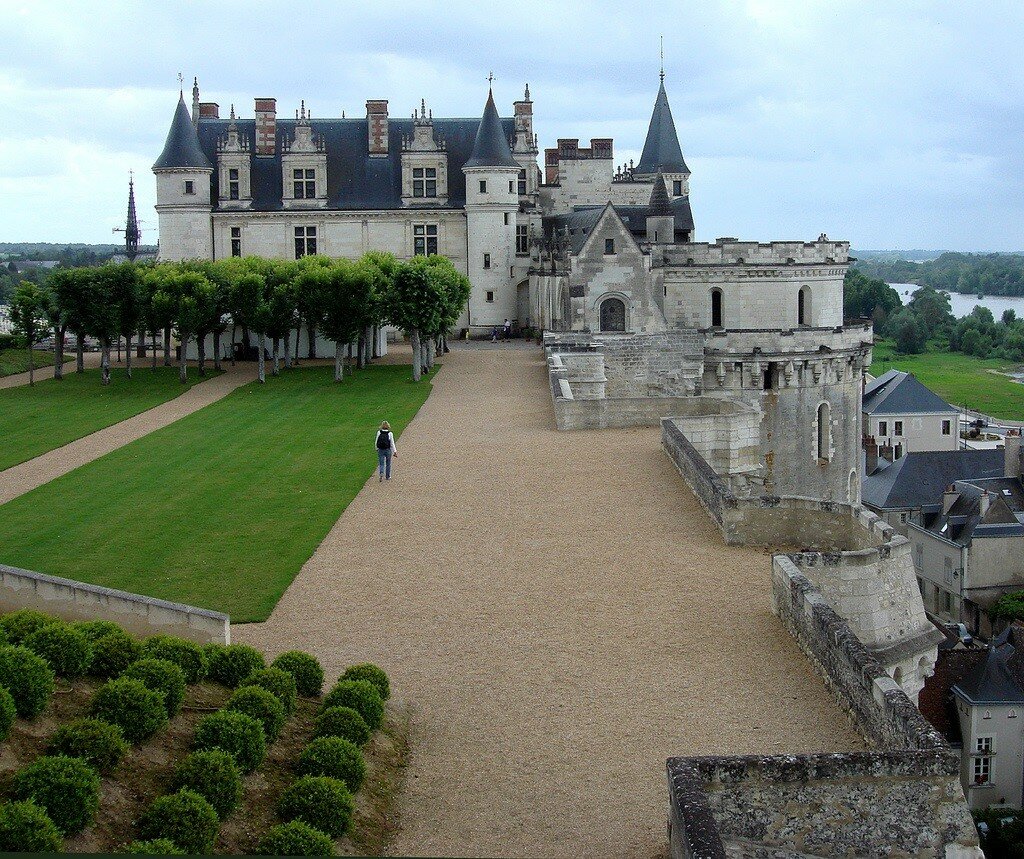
415, 302
56, 320
338, 289
308, 312
866, 297
251, 309
933, 308
280, 302
28, 316
72, 290
455, 289
104, 317
909, 332
129, 308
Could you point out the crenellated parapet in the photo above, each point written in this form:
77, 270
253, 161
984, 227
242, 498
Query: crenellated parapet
732, 252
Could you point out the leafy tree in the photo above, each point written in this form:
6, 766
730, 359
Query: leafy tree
251, 308
28, 316
280, 301
909, 332
56, 320
414, 304
341, 291
71, 292
933, 308
103, 320
129, 308
868, 298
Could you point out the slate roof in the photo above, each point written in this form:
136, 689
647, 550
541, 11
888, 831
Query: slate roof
182, 148
919, 479
583, 219
964, 522
659, 204
661, 148
491, 149
991, 682
899, 393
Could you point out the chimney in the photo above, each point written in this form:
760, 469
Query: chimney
210, 109
1012, 454
885, 452
377, 126
983, 504
266, 126
550, 166
949, 498
870, 455
523, 111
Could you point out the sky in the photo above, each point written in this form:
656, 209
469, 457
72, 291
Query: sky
888, 124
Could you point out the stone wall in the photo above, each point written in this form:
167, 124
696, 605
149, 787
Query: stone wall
139, 615
654, 365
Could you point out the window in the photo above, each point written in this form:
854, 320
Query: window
677, 187
304, 184
483, 186
903, 518
190, 186
716, 308
522, 240
305, 241
897, 428
769, 377
983, 760
919, 556
487, 260
236, 241
613, 315
506, 219
511, 186
424, 181
883, 428
490, 296
609, 246
424, 239
803, 306
233, 184
522, 183
947, 602
947, 427
824, 431
947, 571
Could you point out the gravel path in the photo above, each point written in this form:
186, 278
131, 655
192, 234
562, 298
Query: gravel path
561, 617
92, 359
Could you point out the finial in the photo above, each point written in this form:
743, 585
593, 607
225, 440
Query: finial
232, 111
662, 73
423, 107
431, 113
181, 83
195, 81
526, 97
131, 178
303, 111
490, 79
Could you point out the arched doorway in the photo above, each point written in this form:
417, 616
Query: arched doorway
613, 314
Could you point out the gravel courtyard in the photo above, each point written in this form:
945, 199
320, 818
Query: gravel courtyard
560, 616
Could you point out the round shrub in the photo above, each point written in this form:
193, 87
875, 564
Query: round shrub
334, 757
372, 674
154, 847
7, 713
94, 630
296, 838
26, 828
28, 678
99, 744
65, 649
309, 676
187, 655
262, 706
324, 803
20, 624
126, 702
279, 683
362, 696
67, 789
232, 663
163, 677
209, 650
215, 776
342, 722
183, 818
113, 653
238, 734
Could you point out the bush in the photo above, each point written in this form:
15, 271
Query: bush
26, 828
342, 722
99, 744
7, 713
335, 757
28, 678
238, 734
362, 696
94, 630
154, 847
372, 674
128, 703
187, 655
20, 624
262, 706
65, 649
231, 664
324, 803
113, 653
67, 789
184, 818
215, 776
210, 650
296, 839
279, 683
309, 676
163, 677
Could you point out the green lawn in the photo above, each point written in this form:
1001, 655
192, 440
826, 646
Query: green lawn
16, 360
959, 379
36, 419
222, 508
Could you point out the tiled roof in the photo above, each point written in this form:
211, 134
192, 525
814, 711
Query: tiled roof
919, 479
991, 682
182, 148
899, 393
661, 148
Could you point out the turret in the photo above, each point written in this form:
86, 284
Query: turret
661, 220
662, 153
525, 149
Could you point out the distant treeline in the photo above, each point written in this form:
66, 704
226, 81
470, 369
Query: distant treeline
977, 274
66, 255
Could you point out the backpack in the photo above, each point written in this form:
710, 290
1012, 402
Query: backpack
383, 440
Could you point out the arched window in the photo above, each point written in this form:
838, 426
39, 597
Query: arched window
613, 315
851, 488
716, 308
824, 431
803, 306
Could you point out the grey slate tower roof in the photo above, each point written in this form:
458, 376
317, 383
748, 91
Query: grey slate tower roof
660, 205
182, 149
491, 146
661, 149
991, 682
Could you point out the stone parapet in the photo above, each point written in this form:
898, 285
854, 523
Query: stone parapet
732, 252
824, 342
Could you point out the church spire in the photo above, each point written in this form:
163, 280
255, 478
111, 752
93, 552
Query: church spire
132, 233
661, 149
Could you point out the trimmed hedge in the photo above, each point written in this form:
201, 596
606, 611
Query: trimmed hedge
67, 651
98, 743
187, 655
27, 677
94, 630
342, 722
309, 676
296, 838
163, 677
238, 734
126, 702
7, 713
215, 776
112, 653
262, 706
231, 664
20, 624
324, 803
279, 683
67, 789
334, 757
184, 818
26, 828
372, 674
362, 696
154, 847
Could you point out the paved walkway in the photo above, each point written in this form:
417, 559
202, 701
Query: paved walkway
561, 617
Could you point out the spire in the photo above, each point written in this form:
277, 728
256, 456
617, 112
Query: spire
660, 205
491, 147
195, 101
132, 234
182, 148
661, 149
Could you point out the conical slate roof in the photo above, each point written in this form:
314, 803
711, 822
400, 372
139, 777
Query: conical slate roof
182, 148
491, 146
660, 205
661, 149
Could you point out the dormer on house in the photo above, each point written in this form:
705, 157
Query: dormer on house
304, 167
424, 163
234, 183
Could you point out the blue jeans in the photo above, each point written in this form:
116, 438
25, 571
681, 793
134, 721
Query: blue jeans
384, 460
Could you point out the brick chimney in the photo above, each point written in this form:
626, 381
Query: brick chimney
870, 455
266, 126
210, 109
1012, 454
885, 452
377, 126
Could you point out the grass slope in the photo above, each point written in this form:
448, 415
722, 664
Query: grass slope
222, 508
959, 379
16, 360
36, 419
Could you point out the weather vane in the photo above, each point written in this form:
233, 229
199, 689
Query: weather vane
662, 58
490, 78
181, 82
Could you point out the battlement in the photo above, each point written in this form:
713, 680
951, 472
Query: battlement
726, 251
823, 343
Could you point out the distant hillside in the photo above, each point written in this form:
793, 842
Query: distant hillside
912, 255
50, 250
977, 274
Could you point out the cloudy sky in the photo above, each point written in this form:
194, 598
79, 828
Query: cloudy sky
891, 124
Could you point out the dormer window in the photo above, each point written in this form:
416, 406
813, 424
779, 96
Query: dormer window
677, 187
304, 184
190, 186
424, 182
232, 184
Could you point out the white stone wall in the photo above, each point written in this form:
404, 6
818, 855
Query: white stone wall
184, 219
920, 431
1002, 724
491, 230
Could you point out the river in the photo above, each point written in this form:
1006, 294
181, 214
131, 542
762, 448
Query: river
963, 303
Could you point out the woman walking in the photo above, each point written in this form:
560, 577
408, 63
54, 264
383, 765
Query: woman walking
385, 450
